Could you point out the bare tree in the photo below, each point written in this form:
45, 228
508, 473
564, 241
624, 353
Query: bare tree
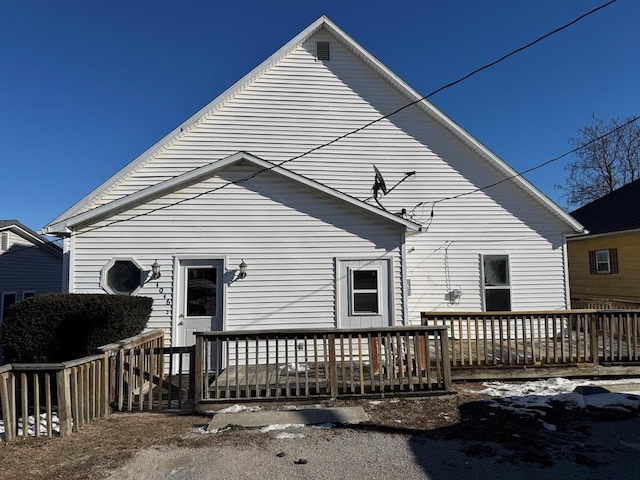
604, 162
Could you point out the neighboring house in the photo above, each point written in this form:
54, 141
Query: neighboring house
29, 264
210, 199
605, 264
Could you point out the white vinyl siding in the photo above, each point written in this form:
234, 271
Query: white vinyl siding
288, 236
296, 105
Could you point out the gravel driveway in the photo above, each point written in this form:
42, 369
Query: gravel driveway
348, 453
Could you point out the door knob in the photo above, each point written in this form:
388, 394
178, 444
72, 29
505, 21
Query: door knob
181, 322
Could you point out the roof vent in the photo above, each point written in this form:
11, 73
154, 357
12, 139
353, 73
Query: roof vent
322, 51
4, 243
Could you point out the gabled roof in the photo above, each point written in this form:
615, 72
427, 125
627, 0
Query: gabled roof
617, 211
25, 232
412, 95
202, 173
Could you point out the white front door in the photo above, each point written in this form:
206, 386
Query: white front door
200, 300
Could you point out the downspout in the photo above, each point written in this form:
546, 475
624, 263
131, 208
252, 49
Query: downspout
403, 276
69, 244
565, 261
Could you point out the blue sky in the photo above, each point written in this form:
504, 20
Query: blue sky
85, 87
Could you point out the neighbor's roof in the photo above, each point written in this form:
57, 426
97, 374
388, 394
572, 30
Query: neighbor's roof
411, 94
202, 173
617, 211
28, 234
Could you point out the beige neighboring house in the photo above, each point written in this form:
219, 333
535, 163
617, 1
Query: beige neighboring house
604, 266
29, 264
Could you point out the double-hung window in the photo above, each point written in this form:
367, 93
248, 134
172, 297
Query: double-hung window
496, 283
365, 291
603, 261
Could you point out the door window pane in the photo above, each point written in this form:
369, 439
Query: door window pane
364, 292
201, 292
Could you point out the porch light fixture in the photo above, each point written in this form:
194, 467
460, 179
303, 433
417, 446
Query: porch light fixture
242, 270
155, 270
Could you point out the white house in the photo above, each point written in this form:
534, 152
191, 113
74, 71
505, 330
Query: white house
243, 183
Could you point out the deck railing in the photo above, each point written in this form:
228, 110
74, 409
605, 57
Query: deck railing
35, 396
567, 337
146, 375
298, 364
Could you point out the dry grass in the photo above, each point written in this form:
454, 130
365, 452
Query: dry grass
108, 444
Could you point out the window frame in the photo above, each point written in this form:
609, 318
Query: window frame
606, 263
28, 294
612, 266
485, 288
104, 284
352, 291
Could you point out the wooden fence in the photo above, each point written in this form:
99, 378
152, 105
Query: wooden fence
49, 399
303, 364
70, 394
522, 340
146, 375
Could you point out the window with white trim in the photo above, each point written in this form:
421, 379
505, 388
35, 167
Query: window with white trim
364, 291
603, 261
123, 276
496, 283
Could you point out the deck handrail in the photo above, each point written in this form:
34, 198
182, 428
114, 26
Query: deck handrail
317, 363
540, 338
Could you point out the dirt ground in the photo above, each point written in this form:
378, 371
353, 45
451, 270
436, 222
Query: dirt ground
110, 443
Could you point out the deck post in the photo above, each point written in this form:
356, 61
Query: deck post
333, 370
199, 365
446, 362
192, 369
8, 406
64, 402
595, 356
105, 386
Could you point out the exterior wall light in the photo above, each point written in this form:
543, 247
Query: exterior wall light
242, 270
155, 270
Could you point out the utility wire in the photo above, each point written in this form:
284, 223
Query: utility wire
352, 132
536, 167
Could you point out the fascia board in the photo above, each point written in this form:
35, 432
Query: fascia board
36, 240
207, 171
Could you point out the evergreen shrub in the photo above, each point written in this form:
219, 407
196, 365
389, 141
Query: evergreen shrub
56, 327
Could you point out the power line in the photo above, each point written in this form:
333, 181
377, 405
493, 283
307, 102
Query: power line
367, 125
536, 167
352, 132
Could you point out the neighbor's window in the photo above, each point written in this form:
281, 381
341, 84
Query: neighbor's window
8, 299
365, 292
496, 283
603, 261
28, 294
122, 276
